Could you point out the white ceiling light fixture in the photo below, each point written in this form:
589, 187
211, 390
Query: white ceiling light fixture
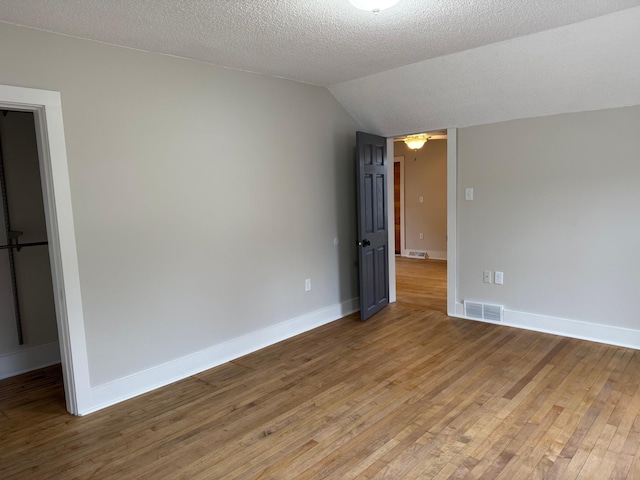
416, 142
373, 5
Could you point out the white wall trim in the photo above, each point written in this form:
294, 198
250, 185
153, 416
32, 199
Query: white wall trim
390, 230
593, 332
400, 160
183, 367
452, 220
47, 110
28, 359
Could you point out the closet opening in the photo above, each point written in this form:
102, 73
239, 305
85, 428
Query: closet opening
28, 324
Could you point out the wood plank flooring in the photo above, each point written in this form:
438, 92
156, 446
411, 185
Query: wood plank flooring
408, 394
422, 283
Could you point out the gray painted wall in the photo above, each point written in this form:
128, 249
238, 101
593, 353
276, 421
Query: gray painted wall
26, 211
425, 173
555, 209
202, 196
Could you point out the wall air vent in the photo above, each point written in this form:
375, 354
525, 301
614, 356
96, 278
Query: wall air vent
417, 254
483, 311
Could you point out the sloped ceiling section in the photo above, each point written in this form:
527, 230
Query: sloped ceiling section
589, 65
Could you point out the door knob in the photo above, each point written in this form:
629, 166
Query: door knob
364, 243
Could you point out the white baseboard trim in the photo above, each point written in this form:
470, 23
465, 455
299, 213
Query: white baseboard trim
437, 254
593, 332
166, 373
28, 359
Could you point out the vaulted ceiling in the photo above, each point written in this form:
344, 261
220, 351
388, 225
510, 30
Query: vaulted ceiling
321, 42
419, 66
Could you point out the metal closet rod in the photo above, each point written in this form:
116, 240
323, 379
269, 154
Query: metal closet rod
18, 246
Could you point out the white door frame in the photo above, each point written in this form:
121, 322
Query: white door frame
54, 174
452, 220
452, 209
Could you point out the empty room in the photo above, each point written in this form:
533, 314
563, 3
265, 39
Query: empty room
211, 269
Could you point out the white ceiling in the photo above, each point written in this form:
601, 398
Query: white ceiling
322, 42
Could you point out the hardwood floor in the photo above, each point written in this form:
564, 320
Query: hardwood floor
408, 394
422, 283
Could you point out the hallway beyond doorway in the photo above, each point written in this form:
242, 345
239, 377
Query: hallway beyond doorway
422, 283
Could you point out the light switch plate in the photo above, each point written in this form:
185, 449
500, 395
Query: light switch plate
468, 193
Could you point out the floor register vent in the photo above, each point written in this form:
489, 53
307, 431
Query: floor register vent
417, 254
483, 311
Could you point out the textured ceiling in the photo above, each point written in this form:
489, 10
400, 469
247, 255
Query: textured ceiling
322, 42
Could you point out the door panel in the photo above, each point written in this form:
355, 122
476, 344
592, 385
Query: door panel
372, 223
368, 204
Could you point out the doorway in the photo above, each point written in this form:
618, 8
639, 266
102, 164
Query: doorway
28, 333
421, 216
45, 106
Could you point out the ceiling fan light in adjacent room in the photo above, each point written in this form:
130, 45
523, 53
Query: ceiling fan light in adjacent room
373, 5
415, 142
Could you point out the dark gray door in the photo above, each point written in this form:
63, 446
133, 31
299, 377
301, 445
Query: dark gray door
372, 223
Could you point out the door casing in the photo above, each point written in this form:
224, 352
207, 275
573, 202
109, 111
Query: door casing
54, 176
